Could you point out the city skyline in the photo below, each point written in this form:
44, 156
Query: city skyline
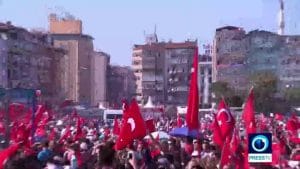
176, 20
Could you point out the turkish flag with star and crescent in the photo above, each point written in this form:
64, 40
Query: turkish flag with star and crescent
136, 121
225, 119
133, 126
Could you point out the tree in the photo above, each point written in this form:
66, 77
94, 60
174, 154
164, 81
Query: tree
265, 87
292, 96
223, 90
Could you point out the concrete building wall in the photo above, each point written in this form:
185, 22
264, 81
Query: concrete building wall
148, 65
178, 66
99, 79
162, 71
30, 61
67, 34
64, 25
120, 85
228, 60
237, 56
289, 63
137, 69
85, 54
70, 63
3, 61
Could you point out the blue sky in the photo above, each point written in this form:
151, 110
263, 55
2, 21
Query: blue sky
118, 24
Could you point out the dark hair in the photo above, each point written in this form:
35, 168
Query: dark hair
46, 143
107, 154
27, 162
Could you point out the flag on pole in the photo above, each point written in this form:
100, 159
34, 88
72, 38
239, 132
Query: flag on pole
248, 113
225, 119
193, 97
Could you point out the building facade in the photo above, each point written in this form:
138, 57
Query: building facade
120, 85
99, 65
162, 71
178, 64
148, 66
238, 55
29, 61
66, 33
3, 58
229, 57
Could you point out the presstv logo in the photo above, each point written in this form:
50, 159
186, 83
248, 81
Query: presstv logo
260, 148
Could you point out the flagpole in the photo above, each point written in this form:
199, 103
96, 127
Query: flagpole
34, 109
222, 155
7, 121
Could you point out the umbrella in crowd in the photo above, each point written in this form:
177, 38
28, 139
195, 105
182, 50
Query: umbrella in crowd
184, 132
158, 134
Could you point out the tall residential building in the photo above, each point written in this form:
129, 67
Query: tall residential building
178, 63
162, 71
228, 57
148, 65
99, 65
29, 61
120, 85
237, 55
3, 58
67, 34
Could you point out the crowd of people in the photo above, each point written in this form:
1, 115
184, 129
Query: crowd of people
96, 150
48, 140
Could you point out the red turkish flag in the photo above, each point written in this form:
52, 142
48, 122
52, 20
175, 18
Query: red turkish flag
7, 153
225, 119
20, 133
52, 135
2, 128
79, 133
16, 111
235, 141
157, 137
279, 117
248, 113
276, 153
39, 114
136, 121
133, 126
217, 135
150, 125
116, 129
193, 98
65, 135
226, 154
40, 132
179, 121
124, 138
293, 124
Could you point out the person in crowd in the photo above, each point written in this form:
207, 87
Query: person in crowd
45, 154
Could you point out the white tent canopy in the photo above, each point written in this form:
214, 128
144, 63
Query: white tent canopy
149, 103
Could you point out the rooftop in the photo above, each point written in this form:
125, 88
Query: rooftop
229, 28
73, 36
167, 45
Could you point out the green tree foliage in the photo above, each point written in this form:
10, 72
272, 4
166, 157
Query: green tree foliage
223, 90
292, 96
265, 87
